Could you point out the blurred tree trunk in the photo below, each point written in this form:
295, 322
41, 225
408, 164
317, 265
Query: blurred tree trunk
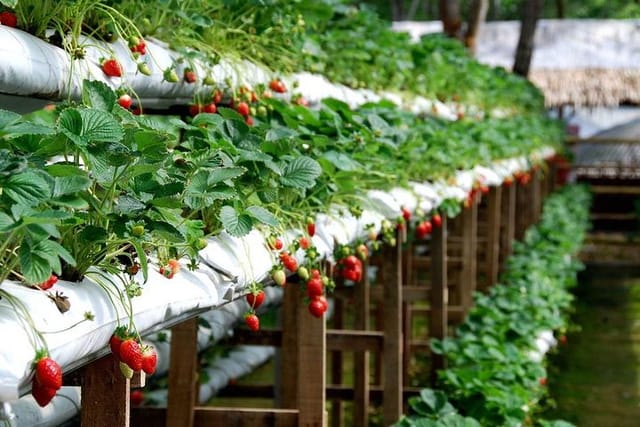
477, 17
494, 10
560, 9
530, 12
397, 10
450, 17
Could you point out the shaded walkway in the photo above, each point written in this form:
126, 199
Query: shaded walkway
595, 377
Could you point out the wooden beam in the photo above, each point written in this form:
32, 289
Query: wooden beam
337, 359
469, 255
287, 390
104, 394
183, 374
439, 293
392, 353
311, 366
615, 189
507, 223
361, 374
492, 245
217, 416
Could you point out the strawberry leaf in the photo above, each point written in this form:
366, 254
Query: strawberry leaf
301, 173
262, 215
98, 95
236, 224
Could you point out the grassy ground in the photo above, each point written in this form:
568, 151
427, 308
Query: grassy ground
595, 377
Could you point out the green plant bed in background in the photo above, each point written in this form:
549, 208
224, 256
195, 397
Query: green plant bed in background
496, 375
594, 380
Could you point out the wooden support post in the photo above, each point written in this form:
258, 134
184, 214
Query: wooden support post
311, 366
288, 383
361, 358
392, 352
523, 207
507, 221
337, 359
492, 258
439, 297
105, 395
183, 374
536, 196
469, 251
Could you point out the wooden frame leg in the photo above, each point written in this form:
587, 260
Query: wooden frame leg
183, 374
105, 395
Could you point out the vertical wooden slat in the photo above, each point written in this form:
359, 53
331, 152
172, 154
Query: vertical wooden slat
361, 358
311, 367
105, 395
523, 205
469, 250
438, 301
494, 203
508, 221
337, 362
536, 196
288, 383
392, 328
183, 374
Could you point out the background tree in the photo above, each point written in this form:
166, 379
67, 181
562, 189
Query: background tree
530, 12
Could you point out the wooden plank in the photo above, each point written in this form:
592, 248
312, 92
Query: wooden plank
439, 297
392, 353
104, 394
492, 245
337, 361
467, 283
287, 390
353, 340
183, 374
218, 416
311, 367
507, 223
361, 374
615, 189
614, 216
523, 205
247, 417
536, 196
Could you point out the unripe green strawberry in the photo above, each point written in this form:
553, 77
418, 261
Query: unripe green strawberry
303, 273
127, 372
143, 68
279, 277
170, 75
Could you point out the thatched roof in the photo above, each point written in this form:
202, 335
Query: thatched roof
585, 63
588, 87
613, 153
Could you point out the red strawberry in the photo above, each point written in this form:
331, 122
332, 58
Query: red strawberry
423, 229
114, 344
8, 18
243, 109
217, 96
131, 354
47, 284
317, 308
542, 381
311, 227
48, 373
304, 243
195, 109
351, 261
210, 108
189, 75
249, 120
315, 287
255, 299
275, 243
406, 214
436, 220
149, 360
252, 321
277, 85
125, 101
137, 397
42, 395
112, 68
